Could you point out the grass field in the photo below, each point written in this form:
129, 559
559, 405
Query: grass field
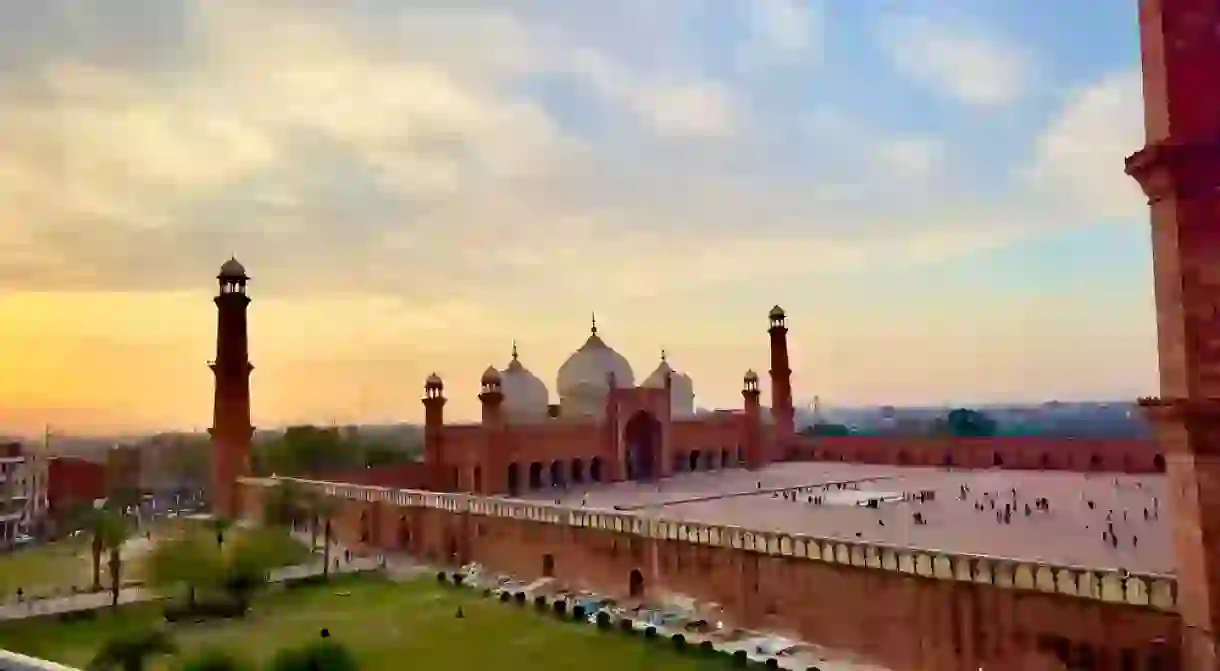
389, 626
52, 569
44, 569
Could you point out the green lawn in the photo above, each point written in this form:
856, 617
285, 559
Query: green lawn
44, 569
389, 626
52, 569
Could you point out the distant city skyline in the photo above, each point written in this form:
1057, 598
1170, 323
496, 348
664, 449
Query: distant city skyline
933, 193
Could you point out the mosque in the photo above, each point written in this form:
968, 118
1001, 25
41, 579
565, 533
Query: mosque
605, 427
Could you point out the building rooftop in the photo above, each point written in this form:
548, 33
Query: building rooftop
1070, 532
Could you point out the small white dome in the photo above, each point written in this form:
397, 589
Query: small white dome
490, 375
232, 269
583, 379
751, 376
525, 396
433, 380
682, 388
777, 312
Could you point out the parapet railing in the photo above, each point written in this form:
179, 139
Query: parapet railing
11, 661
1112, 585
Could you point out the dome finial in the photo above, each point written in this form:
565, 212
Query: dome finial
514, 349
662, 355
594, 329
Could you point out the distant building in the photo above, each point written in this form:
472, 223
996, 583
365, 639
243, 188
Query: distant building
73, 482
23, 492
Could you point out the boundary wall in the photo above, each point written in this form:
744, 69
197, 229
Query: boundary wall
906, 608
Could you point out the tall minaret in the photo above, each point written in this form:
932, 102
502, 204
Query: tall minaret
781, 380
231, 430
1179, 171
439, 472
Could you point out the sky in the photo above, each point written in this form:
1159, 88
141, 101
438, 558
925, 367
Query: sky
933, 190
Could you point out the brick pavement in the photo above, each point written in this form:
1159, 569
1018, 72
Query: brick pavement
1070, 533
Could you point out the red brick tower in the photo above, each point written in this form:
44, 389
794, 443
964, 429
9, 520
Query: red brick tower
751, 430
1179, 170
781, 381
439, 473
491, 398
231, 430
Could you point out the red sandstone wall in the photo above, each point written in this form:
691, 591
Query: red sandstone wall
900, 620
1022, 452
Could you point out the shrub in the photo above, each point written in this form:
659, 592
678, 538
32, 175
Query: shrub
440, 577
78, 615
771, 663
457, 579
322, 654
505, 596
603, 619
578, 613
214, 659
486, 591
679, 641
520, 598
650, 632
560, 607
625, 625
707, 647
739, 658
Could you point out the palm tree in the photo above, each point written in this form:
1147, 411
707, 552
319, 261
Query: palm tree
109, 530
130, 651
325, 509
284, 505
100, 524
309, 501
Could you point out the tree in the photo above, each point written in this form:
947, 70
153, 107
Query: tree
108, 530
284, 504
826, 429
93, 523
322, 655
131, 650
965, 422
325, 509
237, 568
187, 560
309, 500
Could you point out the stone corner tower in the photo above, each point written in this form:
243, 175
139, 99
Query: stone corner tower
231, 429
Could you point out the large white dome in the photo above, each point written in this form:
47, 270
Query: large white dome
682, 388
525, 396
582, 381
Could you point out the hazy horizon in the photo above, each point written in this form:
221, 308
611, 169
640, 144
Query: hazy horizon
934, 194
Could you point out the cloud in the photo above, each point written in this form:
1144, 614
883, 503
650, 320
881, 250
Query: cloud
974, 67
911, 158
1078, 157
786, 26
351, 153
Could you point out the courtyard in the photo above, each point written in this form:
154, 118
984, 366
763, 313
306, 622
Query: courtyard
1073, 530
387, 625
